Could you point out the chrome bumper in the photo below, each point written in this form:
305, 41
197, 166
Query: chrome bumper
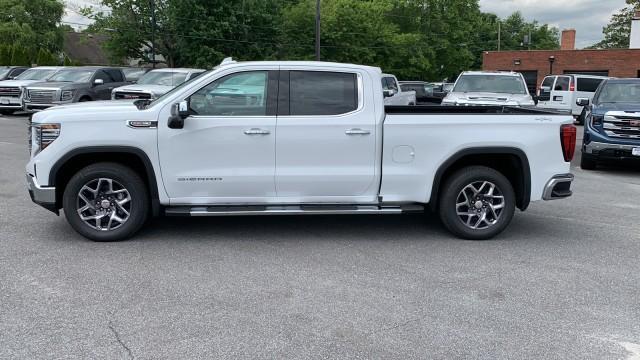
42, 195
559, 187
594, 147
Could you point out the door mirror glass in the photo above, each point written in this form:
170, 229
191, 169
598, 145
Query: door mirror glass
582, 102
388, 93
545, 89
98, 82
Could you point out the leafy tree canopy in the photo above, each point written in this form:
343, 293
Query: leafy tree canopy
618, 31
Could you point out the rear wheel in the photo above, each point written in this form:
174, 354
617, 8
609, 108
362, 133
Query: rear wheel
84, 98
7, 112
588, 163
106, 202
477, 203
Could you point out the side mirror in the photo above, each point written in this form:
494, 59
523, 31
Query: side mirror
98, 82
388, 93
179, 112
583, 102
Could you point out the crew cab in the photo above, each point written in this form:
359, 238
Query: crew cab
71, 85
293, 138
487, 88
155, 83
612, 123
394, 94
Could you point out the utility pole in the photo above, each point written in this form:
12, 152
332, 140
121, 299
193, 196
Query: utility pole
153, 33
317, 30
499, 34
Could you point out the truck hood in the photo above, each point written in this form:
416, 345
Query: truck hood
485, 98
58, 85
152, 89
602, 109
107, 110
17, 83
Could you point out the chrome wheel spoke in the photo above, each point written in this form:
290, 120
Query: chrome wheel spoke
103, 204
479, 205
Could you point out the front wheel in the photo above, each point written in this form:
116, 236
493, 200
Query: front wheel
106, 202
477, 203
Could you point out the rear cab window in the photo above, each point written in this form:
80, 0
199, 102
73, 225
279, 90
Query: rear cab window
588, 84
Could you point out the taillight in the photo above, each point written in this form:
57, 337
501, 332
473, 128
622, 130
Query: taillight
568, 135
572, 87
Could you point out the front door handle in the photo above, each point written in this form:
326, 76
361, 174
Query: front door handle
357, 132
256, 131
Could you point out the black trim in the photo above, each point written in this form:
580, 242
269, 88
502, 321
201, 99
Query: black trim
283, 94
153, 185
524, 201
272, 93
454, 110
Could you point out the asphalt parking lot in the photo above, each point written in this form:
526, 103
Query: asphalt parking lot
563, 282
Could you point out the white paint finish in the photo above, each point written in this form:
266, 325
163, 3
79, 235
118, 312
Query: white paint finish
566, 100
316, 157
635, 34
632, 349
436, 138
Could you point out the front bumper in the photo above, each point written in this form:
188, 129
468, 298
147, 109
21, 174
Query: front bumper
558, 187
610, 151
10, 103
35, 107
42, 195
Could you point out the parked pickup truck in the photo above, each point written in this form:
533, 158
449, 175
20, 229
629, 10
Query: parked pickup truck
612, 126
209, 148
155, 83
394, 94
474, 88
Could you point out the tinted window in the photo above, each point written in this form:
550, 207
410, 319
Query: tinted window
588, 85
618, 93
165, 78
389, 83
562, 84
72, 75
322, 93
241, 94
115, 74
104, 76
548, 82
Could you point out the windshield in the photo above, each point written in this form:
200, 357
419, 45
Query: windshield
619, 93
36, 74
132, 74
500, 84
163, 78
75, 76
177, 88
4, 71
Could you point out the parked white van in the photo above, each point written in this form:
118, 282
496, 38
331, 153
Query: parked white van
560, 92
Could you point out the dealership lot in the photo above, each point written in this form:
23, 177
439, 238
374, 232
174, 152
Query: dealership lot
561, 282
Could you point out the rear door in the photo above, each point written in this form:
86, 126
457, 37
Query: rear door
103, 91
561, 94
326, 143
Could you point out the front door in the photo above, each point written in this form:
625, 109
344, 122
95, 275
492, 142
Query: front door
326, 143
226, 151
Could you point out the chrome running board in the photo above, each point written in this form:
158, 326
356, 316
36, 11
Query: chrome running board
254, 210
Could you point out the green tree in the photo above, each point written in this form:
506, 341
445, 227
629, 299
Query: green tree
29, 27
617, 32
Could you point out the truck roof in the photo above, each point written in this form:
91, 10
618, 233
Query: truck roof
317, 64
177, 70
507, 73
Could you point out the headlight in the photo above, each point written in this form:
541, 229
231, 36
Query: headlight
43, 135
596, 120
66, 95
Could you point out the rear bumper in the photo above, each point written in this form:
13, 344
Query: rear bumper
42, 195
558, 187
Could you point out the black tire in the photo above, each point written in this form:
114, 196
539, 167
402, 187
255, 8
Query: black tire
138, 206
7, 112
84, 98
453, 190
587, 162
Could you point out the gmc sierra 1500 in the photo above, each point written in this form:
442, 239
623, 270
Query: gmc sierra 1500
276, 138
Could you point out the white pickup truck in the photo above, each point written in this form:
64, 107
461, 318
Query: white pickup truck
289, 138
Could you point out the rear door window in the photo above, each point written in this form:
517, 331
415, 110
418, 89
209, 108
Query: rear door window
562, 84
588, 84
322, 93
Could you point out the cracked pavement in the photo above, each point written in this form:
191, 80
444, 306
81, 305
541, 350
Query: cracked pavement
561, 283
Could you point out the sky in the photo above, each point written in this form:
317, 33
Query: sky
588, 17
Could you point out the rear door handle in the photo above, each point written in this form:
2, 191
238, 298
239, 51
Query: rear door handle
256, 131
357, 132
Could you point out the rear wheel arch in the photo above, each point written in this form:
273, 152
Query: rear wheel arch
512, 162
131, 157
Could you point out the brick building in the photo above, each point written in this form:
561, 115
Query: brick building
535, 65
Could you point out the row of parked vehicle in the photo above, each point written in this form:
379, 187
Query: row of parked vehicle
609, 108
39, 88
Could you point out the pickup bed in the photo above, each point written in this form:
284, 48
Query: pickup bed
284, 138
